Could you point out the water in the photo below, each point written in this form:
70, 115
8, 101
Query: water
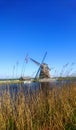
30, 88
21, 87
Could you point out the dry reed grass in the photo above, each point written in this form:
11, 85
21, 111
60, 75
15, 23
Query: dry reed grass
55, 110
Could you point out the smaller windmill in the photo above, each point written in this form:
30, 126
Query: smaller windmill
44, 70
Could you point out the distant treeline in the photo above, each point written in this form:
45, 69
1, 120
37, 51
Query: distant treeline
67, 78
8, 79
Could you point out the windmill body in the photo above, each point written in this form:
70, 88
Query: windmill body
44, 71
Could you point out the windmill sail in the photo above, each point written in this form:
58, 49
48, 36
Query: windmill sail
35, 61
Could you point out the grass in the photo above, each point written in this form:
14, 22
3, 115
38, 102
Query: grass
4, 82
48, 109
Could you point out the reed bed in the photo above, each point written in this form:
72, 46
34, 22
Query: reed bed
47, 109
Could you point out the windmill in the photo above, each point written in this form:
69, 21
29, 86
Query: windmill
43, 71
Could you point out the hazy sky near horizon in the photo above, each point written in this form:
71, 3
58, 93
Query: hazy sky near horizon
34, 27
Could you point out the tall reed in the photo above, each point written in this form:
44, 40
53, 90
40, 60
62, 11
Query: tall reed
54, 110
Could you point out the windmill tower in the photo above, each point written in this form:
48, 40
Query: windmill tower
44, 70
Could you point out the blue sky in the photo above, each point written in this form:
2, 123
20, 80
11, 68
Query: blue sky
34, 27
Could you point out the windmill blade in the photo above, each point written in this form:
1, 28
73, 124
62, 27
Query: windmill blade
44, 57
35, 61
40, 65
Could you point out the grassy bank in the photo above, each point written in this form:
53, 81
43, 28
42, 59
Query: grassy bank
54, 110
